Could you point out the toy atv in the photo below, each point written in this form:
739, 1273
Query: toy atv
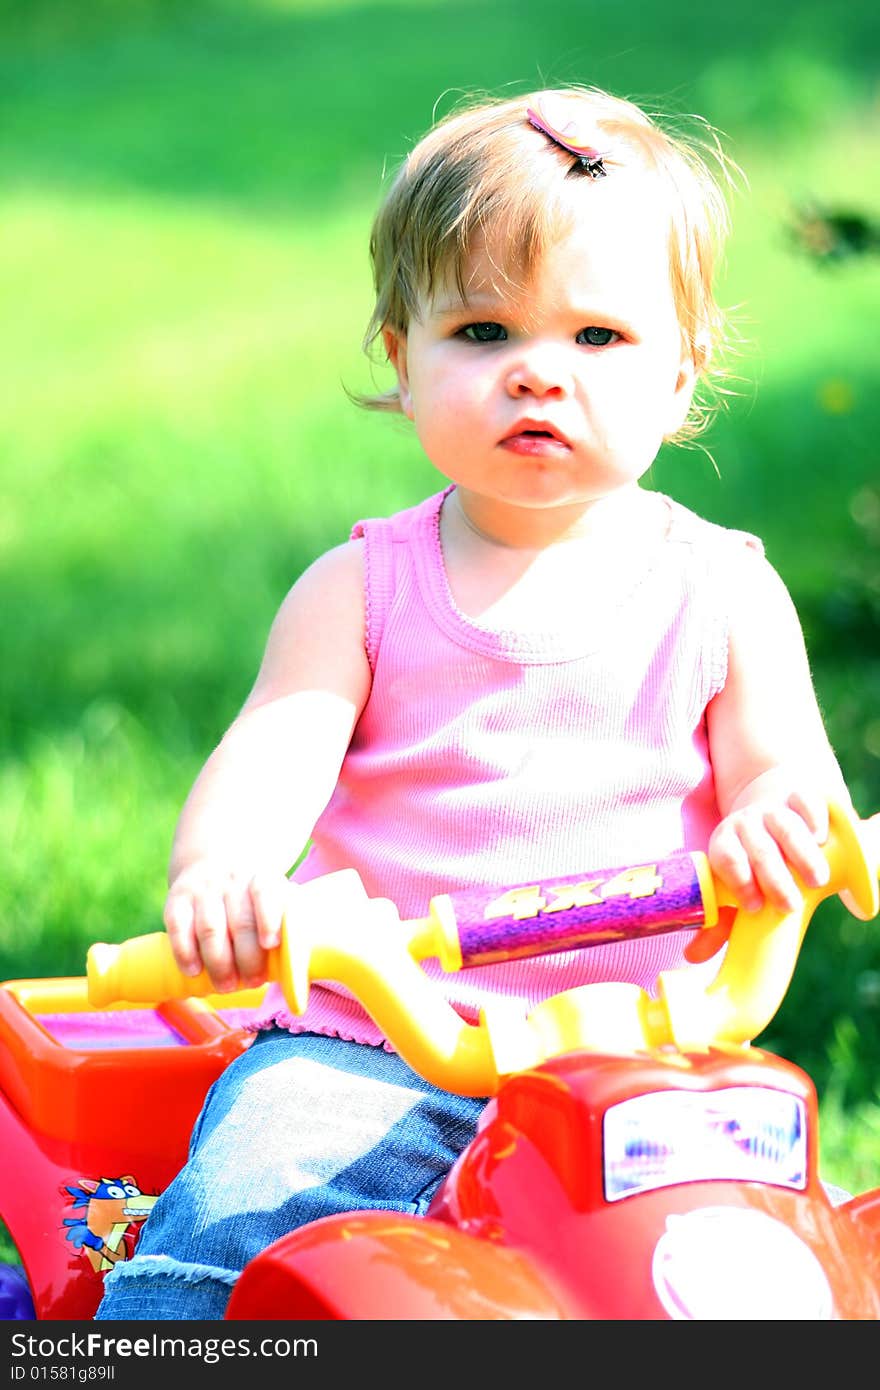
638, 1158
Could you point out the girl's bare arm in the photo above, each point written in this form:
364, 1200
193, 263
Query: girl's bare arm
775, 770
255, 802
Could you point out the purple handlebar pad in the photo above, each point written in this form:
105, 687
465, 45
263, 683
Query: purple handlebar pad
564, 914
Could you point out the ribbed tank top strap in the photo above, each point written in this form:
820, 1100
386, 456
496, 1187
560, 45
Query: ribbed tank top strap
378, 537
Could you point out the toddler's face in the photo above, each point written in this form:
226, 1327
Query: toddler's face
560, 392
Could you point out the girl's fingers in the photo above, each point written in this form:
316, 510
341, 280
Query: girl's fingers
220, 924
179, 919
269, 895
248, 957
758, 854
814, 811
772, 874
215, 944
730, 861
800, 845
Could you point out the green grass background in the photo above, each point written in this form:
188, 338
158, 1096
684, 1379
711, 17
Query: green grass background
185, 195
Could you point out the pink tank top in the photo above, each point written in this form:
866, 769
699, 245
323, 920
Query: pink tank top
490, 758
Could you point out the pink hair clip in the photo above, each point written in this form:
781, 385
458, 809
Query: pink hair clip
591, 161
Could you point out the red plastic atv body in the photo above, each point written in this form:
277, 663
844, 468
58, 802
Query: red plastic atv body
535, 1221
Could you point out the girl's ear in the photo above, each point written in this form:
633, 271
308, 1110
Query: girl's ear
395, 347
694, 362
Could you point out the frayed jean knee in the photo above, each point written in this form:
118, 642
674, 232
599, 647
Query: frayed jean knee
158, 1288
297, 1127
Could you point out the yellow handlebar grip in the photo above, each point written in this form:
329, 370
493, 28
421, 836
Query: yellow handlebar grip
141, 969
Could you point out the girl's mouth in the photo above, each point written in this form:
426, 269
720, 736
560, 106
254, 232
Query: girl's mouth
536, 442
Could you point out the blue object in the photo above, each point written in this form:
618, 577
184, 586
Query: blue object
16, 1304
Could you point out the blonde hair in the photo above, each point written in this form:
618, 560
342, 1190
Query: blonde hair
485, 167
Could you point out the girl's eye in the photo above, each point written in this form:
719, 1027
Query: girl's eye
485, 332
597, 337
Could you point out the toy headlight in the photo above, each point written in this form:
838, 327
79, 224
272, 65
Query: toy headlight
739, 1132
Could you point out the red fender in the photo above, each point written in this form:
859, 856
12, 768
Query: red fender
864, 1212
362, 1266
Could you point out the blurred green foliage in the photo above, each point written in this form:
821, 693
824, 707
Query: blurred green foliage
186, 188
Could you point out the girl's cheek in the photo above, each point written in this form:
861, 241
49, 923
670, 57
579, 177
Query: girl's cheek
451, 397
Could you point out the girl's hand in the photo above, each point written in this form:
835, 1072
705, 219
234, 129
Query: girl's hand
225, 923
771, 831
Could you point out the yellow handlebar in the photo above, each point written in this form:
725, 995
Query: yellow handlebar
342, 935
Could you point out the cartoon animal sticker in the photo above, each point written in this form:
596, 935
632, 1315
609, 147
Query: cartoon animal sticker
109, 1214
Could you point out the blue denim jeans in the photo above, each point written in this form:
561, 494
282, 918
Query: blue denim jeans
297, 1127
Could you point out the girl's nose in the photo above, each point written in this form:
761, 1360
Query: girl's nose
541, 371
